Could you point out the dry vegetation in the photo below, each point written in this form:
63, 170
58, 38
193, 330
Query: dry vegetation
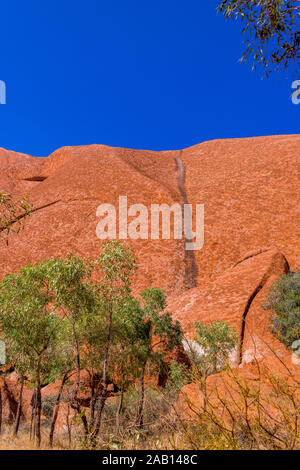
242, 411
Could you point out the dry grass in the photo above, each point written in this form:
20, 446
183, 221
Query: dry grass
23, 441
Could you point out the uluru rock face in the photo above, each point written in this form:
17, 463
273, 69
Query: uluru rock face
66, 189
251, 192
236, 297
249, 187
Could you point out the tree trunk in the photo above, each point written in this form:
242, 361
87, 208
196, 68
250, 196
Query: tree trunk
32, 421
69, 426
0, 410
120, 406
140, 422
54, 419
19, 409
205, 391
99, 414
38, 410
76, 405
94, 396
104, 377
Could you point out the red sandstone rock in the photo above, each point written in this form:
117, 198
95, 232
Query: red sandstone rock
230, 298
84, 393
250, 189
10, 392
234, 394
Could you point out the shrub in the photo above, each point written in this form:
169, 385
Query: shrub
284, 299
48, 404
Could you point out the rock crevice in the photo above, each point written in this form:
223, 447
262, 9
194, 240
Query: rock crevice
190, 264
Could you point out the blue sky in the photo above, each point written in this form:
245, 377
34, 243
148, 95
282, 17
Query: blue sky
156, 74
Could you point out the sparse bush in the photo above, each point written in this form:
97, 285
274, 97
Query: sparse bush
127, 434
179, 375
48, 404
240, 413
284, 299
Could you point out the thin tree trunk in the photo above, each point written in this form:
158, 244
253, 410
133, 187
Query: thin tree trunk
94, 394
76, 405
99, 414
93, 402
77, 379
104, 377
120, 406
140, 422
19, 409
32, 421
38, 408
0, 410
69, 426
54, 419
205, 392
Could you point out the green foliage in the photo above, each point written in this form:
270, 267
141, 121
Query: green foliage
111, 320
217, 340
138, 332
28, 322
117, 265
110, 323
48, 404
76, 300
284, 299
154, 331
128, 339
159, 323
179, 376
41, 307
65, 315
269, 27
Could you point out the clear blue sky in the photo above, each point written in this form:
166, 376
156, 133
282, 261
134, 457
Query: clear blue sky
156, 74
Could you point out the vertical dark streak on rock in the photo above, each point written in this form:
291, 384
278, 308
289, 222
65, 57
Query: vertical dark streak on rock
191, 268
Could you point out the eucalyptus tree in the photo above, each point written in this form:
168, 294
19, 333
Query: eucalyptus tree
94, 338
62, 368
29, 325
157, 333
271, 30
42, 312
122, 365
12, 216
127, 348
77, 299
116, 266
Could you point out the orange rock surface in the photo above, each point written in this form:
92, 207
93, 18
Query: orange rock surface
251, 192
232, 297
250, 189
